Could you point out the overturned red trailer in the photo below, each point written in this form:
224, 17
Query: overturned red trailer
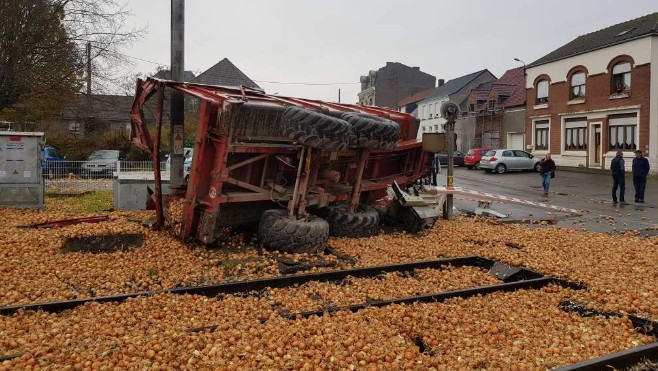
301, 168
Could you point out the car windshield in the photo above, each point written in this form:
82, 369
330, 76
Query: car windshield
104, 155
471, 152
52, 152
490, 153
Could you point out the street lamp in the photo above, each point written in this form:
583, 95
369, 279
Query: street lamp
520, 61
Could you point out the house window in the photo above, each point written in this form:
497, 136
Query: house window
74, 127
621, 78
541, 135
575, 135
436, 128
578, 85
542, 92
622, 130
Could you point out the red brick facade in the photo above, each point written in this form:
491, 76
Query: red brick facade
599, 104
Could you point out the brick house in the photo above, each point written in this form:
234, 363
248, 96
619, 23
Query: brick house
498, 112
89, 116
391, 83
596, 95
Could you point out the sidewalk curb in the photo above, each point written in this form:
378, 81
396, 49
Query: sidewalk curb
587, 170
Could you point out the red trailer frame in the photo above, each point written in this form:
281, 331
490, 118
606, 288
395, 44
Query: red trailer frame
241, 167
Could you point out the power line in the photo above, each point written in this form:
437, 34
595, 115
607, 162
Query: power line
265, 81
308, 83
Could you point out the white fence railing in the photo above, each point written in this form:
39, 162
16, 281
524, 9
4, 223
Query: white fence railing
81, 176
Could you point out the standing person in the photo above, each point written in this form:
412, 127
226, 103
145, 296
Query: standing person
618, 180
436, 169
640, 171
547, 172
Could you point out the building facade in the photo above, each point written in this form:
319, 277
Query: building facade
391, 83
497, 112
597, 95
457, 91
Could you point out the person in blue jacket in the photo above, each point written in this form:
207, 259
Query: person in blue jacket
640, 171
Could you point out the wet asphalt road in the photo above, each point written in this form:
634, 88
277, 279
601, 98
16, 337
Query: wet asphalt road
590, 193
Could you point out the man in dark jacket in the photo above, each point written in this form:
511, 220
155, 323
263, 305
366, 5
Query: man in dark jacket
640, 171
547, 172
618, 181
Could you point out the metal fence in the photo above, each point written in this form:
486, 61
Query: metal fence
83, 176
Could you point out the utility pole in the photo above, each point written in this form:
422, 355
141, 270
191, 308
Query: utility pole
87, 109
177, 112
88, 68
338, 95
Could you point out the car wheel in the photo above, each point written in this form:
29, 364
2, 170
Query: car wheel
477, 166
500, 168
537, 167
469, 167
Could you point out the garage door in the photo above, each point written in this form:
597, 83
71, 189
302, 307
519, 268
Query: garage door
515, 141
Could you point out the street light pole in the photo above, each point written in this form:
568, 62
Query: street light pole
518, 60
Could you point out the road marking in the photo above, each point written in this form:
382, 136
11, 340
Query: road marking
502, 198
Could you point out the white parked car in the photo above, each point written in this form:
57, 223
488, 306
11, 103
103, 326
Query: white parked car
502, 160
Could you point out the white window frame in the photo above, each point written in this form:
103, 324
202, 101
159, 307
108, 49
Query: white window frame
582, 123
74, 127
582, 87
541, 123
625, 76
625, 121
538, 92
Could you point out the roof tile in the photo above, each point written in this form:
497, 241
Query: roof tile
616, 34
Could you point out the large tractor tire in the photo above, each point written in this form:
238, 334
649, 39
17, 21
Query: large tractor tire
364, 222
316, 130
277, 232
372, 132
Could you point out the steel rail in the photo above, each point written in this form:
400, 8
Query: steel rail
618, 360
534, 283
275, 282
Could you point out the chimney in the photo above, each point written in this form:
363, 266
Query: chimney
441, 82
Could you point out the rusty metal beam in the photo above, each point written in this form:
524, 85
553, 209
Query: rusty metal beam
155, 157
246, 162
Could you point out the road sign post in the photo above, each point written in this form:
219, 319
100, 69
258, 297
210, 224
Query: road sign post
450, 112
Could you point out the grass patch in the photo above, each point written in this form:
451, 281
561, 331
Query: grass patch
88, 202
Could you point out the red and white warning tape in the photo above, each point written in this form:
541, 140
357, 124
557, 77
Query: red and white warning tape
501, 198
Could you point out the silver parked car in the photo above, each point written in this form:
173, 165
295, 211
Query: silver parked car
502, 160
101, 163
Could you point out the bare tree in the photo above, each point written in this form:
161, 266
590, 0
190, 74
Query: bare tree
43, 49
38, 61
104, 24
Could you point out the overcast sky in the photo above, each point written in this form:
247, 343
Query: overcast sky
335, 42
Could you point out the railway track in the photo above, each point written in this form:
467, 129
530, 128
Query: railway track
511, 279
506, 273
